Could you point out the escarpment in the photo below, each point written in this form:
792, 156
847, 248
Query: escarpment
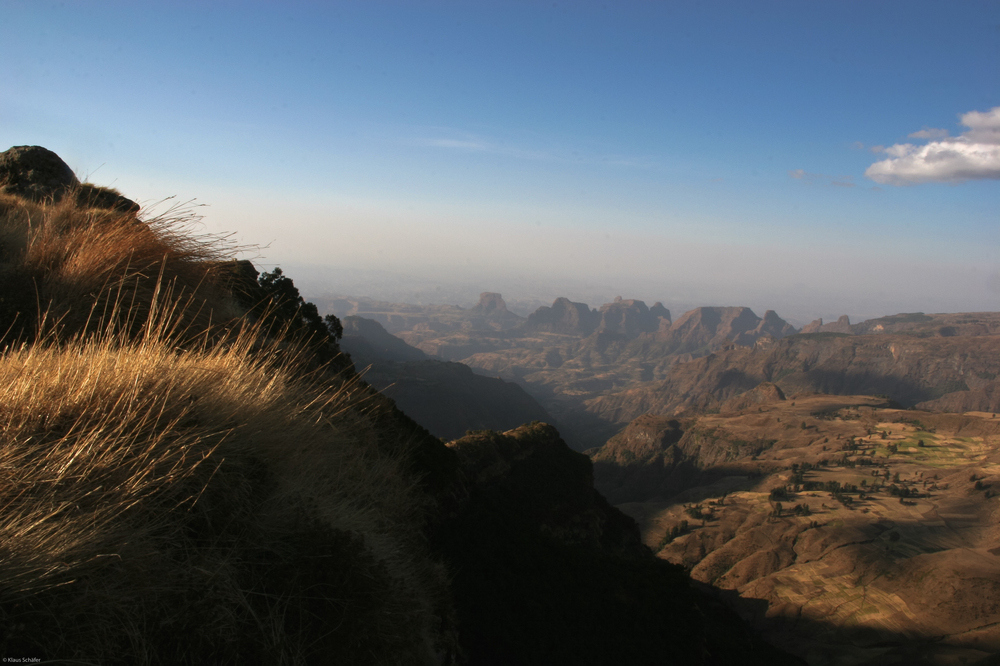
192, 472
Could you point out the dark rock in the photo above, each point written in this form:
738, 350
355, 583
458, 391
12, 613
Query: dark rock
489, 303
105, 198
35, 173
658, 311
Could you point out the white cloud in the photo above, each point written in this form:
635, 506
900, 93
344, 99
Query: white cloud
975, 154
930, 134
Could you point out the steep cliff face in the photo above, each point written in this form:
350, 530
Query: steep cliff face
629, 318
907, 369
547, 572
984, 398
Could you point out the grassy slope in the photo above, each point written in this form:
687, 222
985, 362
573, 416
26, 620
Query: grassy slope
173, 489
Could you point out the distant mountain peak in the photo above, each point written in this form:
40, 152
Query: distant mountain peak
490, 302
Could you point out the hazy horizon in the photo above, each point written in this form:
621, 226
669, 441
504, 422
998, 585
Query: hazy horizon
815, 159
524, 296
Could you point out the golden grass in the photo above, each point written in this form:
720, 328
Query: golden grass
203, 502
80, 265
133, 474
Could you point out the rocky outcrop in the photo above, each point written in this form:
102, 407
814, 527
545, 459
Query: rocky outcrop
35, 173
771, 325
38, 174
105, 198
630, 318
491, 313
641, 461
842, 325
658, 312
813, 327
490, 303
763, 393
564, 316
704, 329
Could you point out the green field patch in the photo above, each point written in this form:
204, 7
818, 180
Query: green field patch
936, 451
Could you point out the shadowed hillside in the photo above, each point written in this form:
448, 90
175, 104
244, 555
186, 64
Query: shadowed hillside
446, 398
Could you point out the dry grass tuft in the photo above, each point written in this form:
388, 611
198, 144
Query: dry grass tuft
159, 505
86, 268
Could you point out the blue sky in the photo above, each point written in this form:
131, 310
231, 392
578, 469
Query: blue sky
695, 153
